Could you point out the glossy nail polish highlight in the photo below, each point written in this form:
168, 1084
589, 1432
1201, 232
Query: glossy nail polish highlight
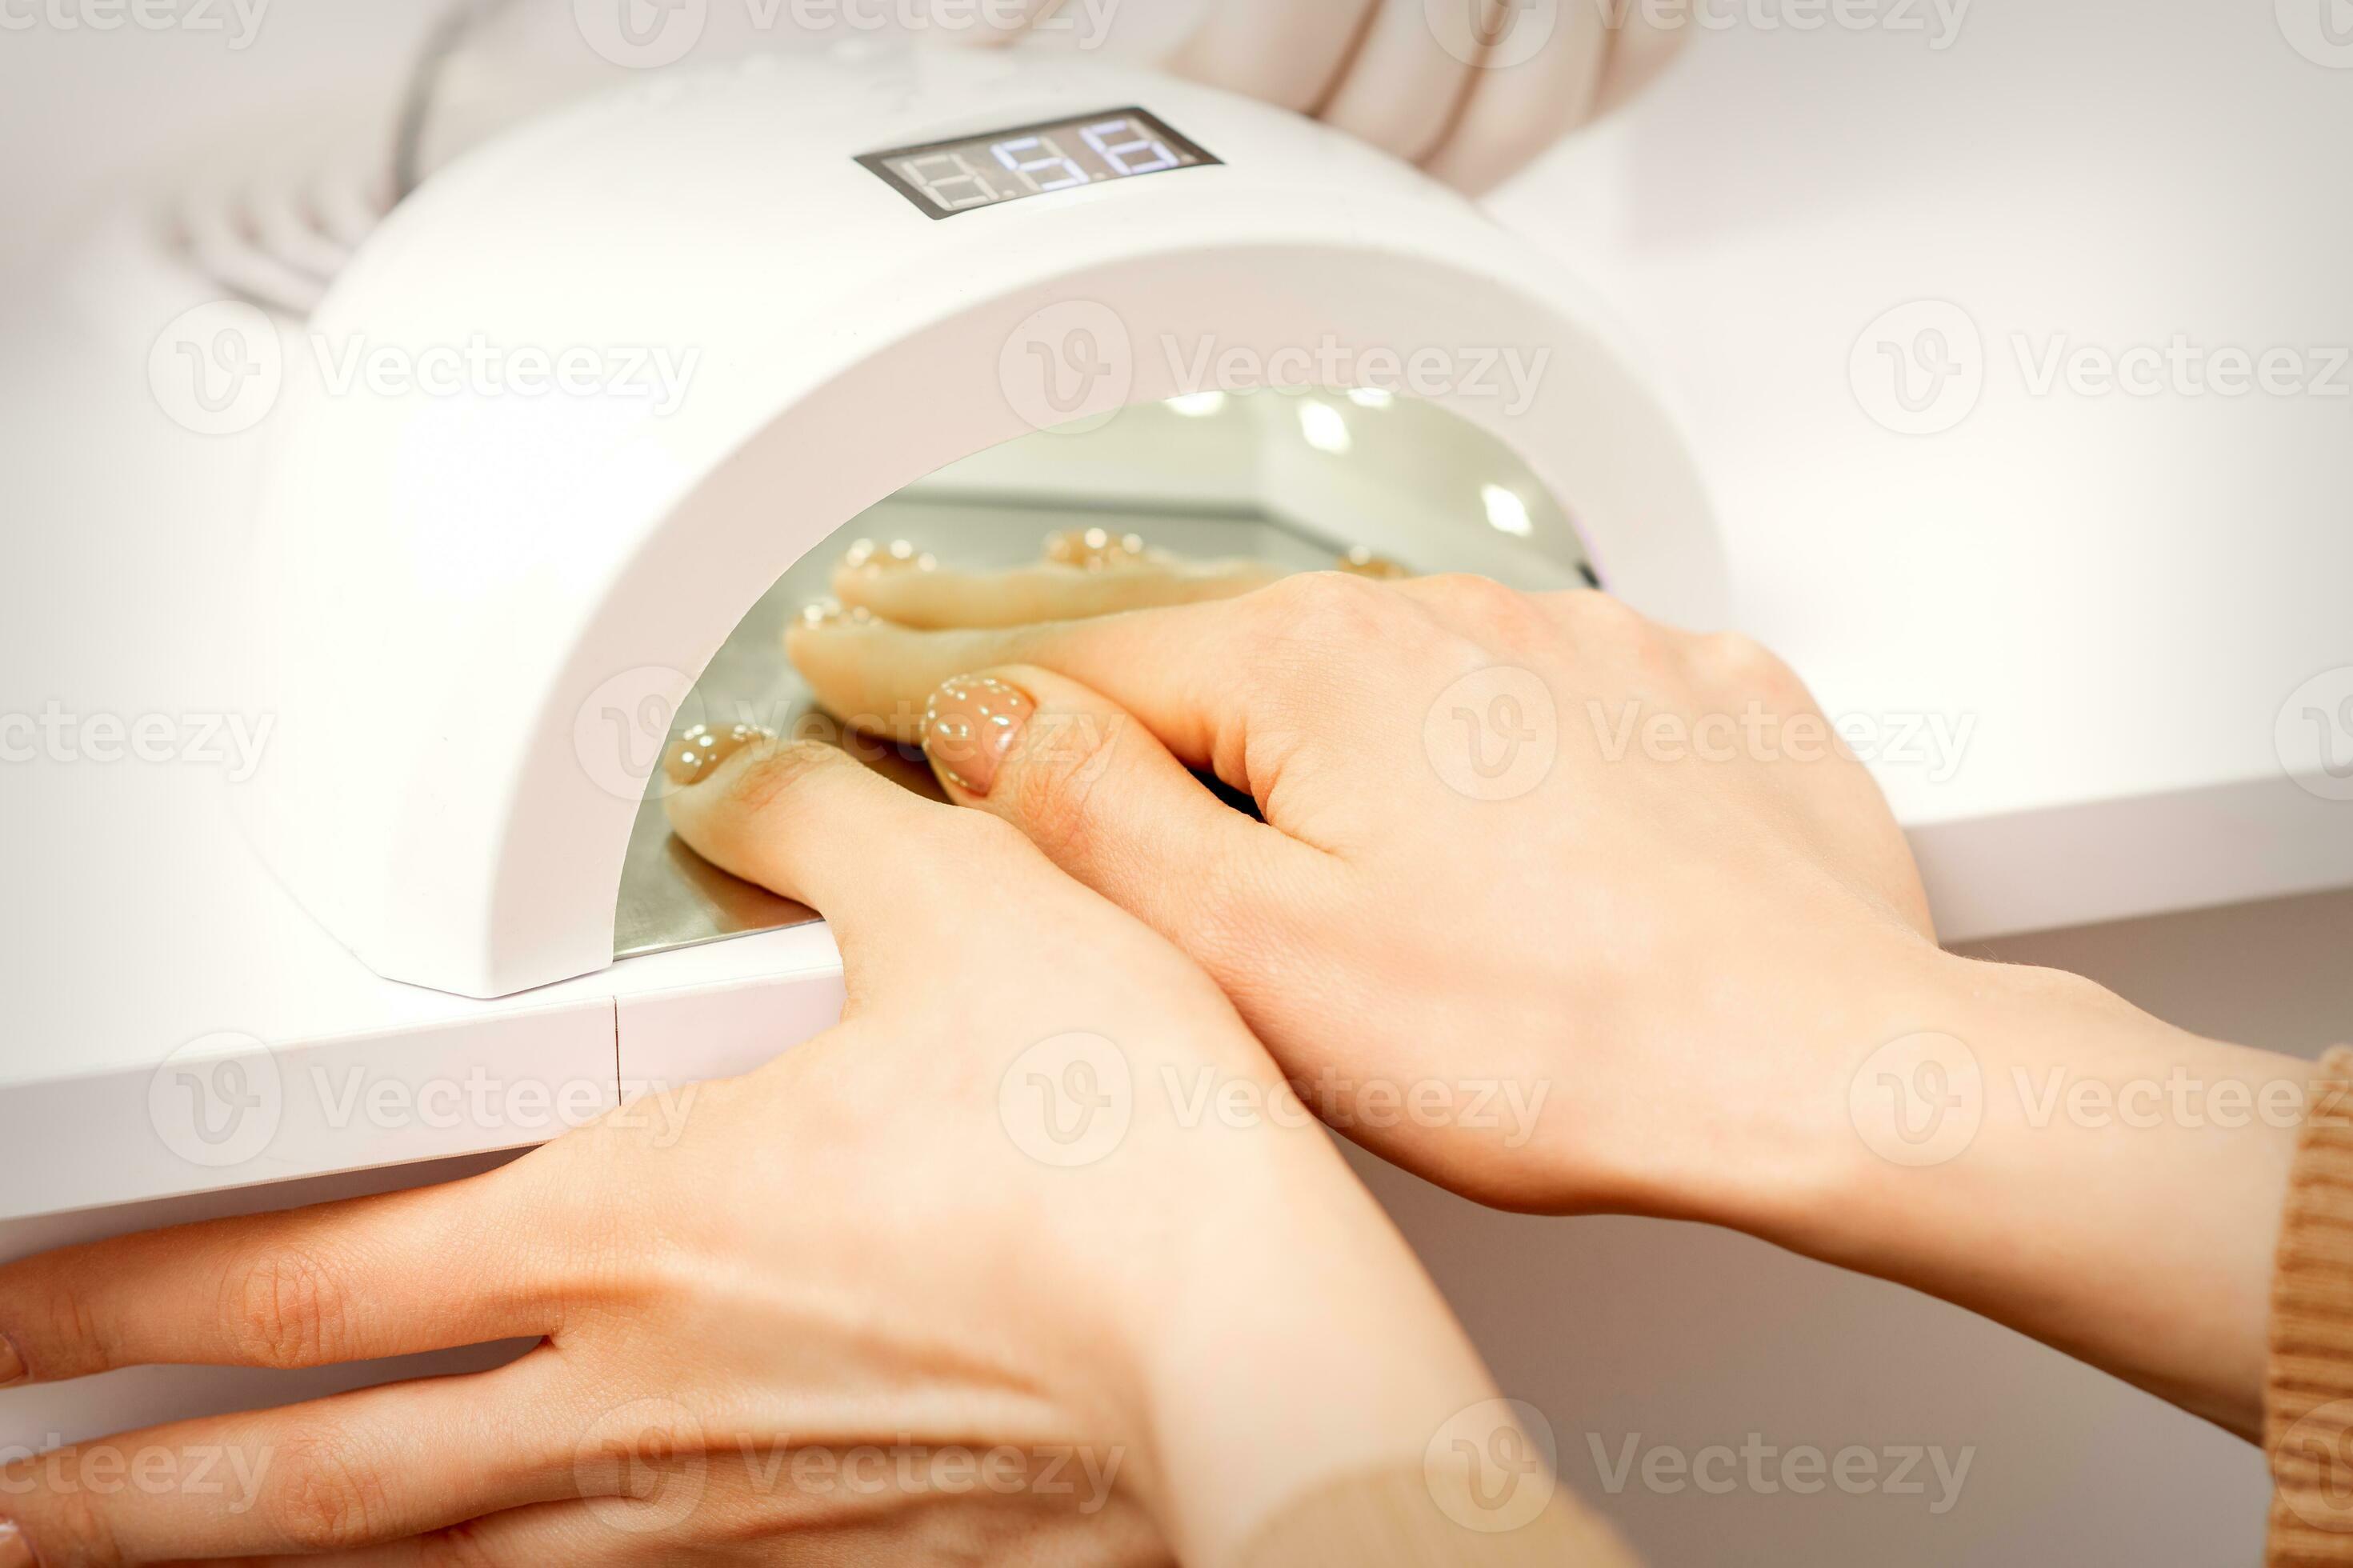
1092, 549
695, 755
819, 613
12, 1363
15, 1551
970, 725
1363, 563
899, 555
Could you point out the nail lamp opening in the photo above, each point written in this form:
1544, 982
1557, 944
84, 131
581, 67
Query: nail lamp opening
592, 400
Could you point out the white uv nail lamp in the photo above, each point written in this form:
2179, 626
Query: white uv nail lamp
574, 432
961, 298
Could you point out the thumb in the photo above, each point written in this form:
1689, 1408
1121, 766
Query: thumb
894, 874
1096, 790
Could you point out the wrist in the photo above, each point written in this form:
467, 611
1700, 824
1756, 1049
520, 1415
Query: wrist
1987, 1076
1763, 1135
1292, 1339
2027, 1144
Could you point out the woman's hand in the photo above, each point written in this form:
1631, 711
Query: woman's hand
1023, 1261
1480, 874
1569, 910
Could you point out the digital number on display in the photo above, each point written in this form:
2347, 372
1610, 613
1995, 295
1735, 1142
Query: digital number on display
945, 178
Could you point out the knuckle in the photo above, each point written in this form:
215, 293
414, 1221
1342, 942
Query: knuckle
1499, 613
1740, 660
323, 1498
1596, 613
1328, 609
1062, 758
64, 1333
286, 1308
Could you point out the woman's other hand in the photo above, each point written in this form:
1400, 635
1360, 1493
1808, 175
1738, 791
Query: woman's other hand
1473, 90
1026, 1259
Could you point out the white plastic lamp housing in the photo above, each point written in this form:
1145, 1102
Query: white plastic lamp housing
469, 589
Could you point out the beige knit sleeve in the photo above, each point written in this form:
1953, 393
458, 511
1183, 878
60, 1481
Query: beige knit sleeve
1390, 1519
2309, 1397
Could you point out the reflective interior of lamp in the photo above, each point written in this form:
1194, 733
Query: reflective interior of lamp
1292, 478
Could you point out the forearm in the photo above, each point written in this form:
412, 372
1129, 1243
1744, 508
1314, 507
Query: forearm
1301, 1347
2025, 1145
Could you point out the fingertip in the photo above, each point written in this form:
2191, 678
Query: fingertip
725, 813
1289, 56
800, 817
848, 657
818, 621
1516, 108
700, 749
1640, 52
1401, 90
971, 724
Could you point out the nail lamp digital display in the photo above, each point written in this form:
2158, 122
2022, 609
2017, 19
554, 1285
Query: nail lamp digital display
944, 178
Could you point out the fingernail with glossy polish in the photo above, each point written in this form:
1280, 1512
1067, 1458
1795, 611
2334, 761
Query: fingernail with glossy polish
971, 723
819, 613
695, 755
13, 1369
868, 556
15, 1551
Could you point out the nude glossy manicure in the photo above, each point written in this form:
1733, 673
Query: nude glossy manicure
818, 614
12, 1363
695, 755
1093, 548
15, 1551
1363, 563
970, 725
868, 556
